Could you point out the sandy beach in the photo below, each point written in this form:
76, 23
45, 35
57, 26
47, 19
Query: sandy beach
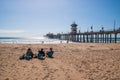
74, 61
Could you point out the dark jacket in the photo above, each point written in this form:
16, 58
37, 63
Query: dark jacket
41, 53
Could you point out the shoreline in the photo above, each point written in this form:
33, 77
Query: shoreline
58, 43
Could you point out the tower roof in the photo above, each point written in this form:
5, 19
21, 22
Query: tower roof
74, 24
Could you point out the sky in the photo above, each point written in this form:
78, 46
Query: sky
34, 18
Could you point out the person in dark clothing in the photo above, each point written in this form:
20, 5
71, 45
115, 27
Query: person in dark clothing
41, 54
50, 53
29, 54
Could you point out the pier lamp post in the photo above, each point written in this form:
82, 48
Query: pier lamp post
91, 28
79, 31
114, 25
102, 28
103, 34
91, 34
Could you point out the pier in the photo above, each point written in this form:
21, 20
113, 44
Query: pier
101, 36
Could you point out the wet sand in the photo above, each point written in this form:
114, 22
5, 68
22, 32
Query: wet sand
74, 61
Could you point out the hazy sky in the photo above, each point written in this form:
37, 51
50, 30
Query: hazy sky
25, 18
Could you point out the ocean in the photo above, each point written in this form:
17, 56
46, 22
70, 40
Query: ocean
30, 40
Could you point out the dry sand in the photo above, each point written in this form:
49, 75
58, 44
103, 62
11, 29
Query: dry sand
74, 61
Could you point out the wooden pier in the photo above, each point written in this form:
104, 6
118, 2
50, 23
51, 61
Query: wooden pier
92, 37
101, 36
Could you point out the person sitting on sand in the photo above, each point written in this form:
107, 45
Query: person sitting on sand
50, 53
29, 54
41, 54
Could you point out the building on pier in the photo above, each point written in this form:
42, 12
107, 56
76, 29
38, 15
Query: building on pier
73, 32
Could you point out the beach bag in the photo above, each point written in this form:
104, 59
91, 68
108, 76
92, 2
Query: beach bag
21, 57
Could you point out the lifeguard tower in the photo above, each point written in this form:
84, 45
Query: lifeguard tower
73, 31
